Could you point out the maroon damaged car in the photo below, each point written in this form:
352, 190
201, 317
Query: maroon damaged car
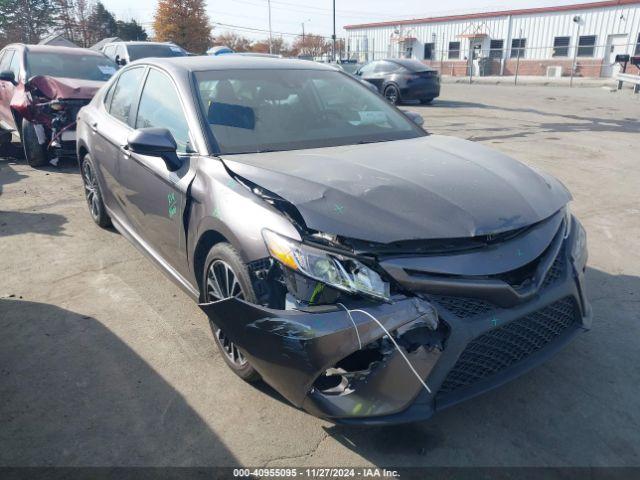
41, 90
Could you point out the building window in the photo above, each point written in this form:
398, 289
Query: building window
495, 49
517, 47
454, 49
561, 47
586, 46
428, 51
638, 46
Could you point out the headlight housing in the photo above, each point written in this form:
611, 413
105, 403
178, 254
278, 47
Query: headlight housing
340, 272
579, 252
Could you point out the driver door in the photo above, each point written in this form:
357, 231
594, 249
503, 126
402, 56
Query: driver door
154, 196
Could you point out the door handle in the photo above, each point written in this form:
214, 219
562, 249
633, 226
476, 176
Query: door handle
94, 126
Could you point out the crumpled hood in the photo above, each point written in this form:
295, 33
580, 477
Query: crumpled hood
56, 88
424, 188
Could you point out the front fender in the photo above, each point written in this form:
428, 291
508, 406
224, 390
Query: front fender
223, 205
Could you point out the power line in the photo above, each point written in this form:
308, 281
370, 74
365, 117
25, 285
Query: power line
230, 26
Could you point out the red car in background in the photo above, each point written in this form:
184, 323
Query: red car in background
41, 90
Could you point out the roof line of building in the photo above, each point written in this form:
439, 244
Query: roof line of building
502, 13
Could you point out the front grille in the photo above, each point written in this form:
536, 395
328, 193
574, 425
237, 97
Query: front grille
555, 272
463, 307
506, 346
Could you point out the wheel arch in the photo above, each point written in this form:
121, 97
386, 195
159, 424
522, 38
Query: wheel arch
207, 240
81, 151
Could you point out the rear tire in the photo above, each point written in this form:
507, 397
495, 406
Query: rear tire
426, 101
221, 260
93, 194
392, 94
35, 154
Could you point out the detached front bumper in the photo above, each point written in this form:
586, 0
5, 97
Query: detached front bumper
476, 346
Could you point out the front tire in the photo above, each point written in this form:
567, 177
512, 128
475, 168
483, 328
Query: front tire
92, 193
392, 94
225, 276
34, 152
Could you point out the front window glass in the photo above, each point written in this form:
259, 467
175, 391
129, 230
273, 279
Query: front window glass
265, 110
124, 94
145, 51
86, 67
160, 107
14, 66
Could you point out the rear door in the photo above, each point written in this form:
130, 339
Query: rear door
154, 197
110, 129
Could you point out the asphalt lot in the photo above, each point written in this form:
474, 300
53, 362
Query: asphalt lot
103, 361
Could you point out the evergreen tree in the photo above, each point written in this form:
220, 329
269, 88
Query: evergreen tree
102, 23
130, 30
26, 21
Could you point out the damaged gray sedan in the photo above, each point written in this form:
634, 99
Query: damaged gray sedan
368, 271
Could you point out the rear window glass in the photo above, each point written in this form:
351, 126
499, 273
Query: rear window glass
413, 65
86, 67
145, 51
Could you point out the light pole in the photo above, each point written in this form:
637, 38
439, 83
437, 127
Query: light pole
333, 37
576, 20
303, 44
270, 35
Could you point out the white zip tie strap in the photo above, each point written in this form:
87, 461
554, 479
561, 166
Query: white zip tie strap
354, 325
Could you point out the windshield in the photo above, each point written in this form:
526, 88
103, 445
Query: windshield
270, 110
86, 67
146, 51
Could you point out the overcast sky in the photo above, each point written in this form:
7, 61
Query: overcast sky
287, 15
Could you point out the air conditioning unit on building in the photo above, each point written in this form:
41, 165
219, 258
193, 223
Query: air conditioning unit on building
555, 72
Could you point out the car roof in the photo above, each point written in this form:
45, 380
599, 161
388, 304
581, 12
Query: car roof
56, 49
168, 44
230, 61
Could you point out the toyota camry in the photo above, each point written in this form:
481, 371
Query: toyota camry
367, 270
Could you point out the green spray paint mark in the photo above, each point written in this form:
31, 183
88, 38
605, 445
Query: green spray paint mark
173, 204
338, 208
519, 253
494, 321
216, 212
316, 291
231, 183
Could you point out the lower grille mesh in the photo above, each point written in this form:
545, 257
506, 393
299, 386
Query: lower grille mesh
504, 347
463, 307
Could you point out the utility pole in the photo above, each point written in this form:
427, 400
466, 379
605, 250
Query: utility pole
333, 37
303, 45
576, 20
518, 58
270, 35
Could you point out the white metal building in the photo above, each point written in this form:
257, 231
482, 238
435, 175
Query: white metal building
537, 41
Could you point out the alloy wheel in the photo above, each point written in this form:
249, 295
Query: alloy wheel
91, 190
222, 283
391, 94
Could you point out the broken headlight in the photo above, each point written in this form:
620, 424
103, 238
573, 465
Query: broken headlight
343, 273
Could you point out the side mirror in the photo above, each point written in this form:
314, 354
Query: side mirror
414, 117
8, 76
120, 61
155, 142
